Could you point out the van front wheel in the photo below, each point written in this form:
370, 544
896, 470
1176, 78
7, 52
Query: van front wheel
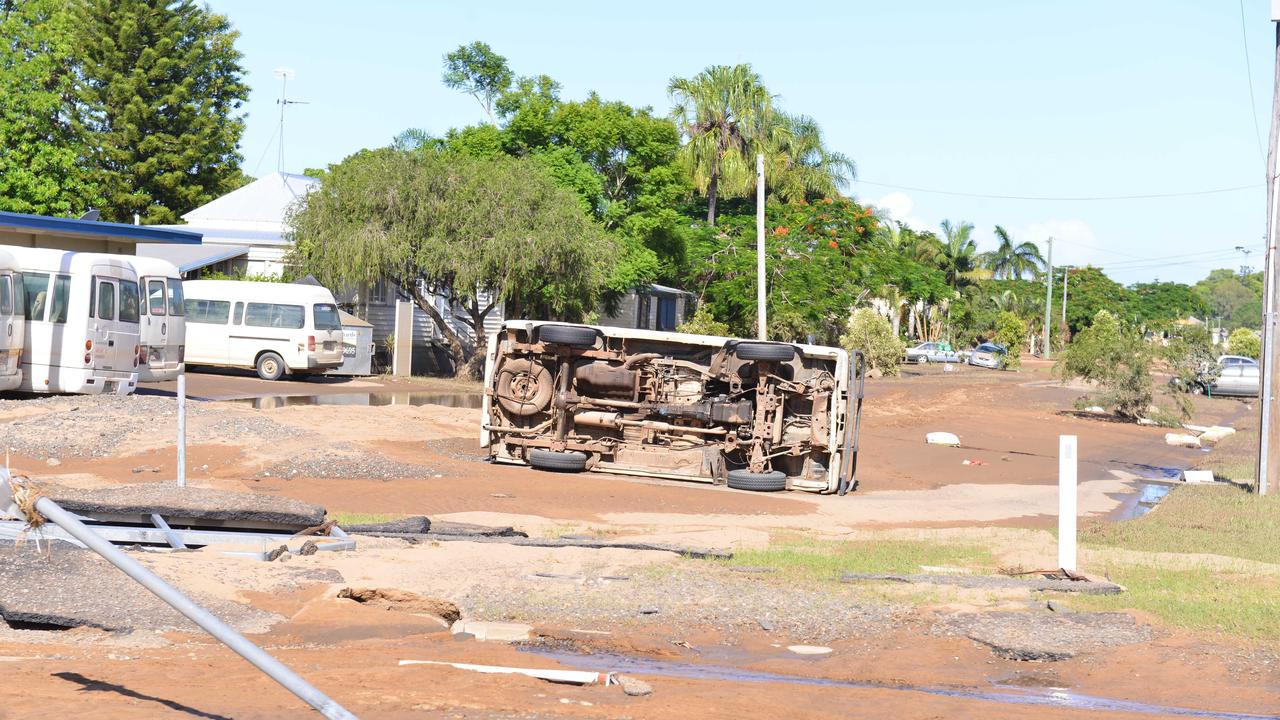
270, 366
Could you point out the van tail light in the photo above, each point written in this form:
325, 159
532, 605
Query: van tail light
88, 358
311, 343
88, 345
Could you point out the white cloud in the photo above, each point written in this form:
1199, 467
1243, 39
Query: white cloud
898, 206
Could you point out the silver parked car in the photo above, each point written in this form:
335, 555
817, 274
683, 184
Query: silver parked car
1235, 379
927, 352
989, 355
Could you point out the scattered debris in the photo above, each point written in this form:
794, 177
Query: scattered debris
1044, 583
765, 625
486, 631
1181, 440
1044, 637
634, 686
569, 677
649, 611
1147, 421
403, 600
752, 569
1096, 410
1216, 434
1198, 476
187, 503
974, 462
942, 438
1056, 607
415, 524
809, 649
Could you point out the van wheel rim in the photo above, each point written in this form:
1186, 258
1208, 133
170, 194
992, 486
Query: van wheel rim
269, 366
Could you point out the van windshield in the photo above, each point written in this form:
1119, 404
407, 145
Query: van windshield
327, 317
129, 301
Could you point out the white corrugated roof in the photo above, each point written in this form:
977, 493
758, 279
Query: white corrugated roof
263, 202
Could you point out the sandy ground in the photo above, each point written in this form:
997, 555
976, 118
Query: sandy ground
425, 459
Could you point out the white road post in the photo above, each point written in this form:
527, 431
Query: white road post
1067, 502
761, 286
182, 429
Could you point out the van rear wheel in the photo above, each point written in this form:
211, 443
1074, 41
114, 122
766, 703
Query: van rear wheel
270, 366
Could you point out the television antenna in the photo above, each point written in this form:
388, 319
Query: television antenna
285, 74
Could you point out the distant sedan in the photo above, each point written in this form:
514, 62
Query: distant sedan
989, 355
927, 352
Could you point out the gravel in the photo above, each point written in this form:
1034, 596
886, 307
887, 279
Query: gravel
991, 582
346, 461
61, 586
688, 596
1044, 636
94, 426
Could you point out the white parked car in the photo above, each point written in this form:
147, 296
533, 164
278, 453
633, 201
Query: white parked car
274, 328
927, 352
753, 415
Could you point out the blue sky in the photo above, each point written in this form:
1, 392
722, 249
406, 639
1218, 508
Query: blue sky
1063, 100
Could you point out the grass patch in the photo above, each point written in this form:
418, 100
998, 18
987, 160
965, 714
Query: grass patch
357, 518
803, 559
1221, 520
1238, 604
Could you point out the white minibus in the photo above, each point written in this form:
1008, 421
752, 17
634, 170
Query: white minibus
163, 324
81, 322
11, 324
273, 328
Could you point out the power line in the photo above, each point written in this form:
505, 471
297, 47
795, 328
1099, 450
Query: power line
1248, 68
1082, 198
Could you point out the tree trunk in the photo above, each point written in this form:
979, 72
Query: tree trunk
711, 199
475, 365
457, 349
896, 319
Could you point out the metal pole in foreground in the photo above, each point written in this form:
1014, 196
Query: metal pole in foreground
1067, 502
1269, 390
274, 669
1048, 300
761, 312
182, 429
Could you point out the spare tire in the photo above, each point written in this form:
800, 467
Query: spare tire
558, 461
524, 387
777, 352
578, 336
771, 481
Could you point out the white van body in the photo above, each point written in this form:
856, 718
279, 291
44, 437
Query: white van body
81, 333
163, 325
273, 328
12, 327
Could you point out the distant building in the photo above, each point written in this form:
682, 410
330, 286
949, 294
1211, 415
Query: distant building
58, 233
650, 307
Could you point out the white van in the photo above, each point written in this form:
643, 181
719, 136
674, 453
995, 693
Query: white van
163, 325
81, 332
273, 328
11, 322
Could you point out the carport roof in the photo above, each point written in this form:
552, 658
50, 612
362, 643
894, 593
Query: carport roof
47, 225
193, 257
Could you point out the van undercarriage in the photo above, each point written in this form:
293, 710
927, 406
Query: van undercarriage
753, 415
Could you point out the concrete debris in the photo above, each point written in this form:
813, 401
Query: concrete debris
809, 649
403, 601
765, 625
416, 524
1147, 421
1045, 637
1215, 435
486, 631
1182, 440
1198, 476
634, 686
942, 438
1096, 410
173, 502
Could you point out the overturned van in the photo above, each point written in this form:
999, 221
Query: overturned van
753, 415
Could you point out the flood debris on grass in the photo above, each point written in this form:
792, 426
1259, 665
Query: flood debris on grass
990, 582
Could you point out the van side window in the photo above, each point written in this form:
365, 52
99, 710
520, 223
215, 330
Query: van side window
6, 294
237, 316
61, 299
211, 312
107, 301
37, 287
129, 301
176, 305
155, 297
274, 315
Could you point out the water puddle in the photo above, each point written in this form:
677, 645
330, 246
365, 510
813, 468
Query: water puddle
1136, 504
371, 399
1003, 693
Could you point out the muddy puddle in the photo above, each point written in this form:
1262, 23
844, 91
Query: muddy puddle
1002, 691
1136, 504
372, 399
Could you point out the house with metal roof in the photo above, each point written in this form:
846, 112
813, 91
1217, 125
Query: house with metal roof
81, 235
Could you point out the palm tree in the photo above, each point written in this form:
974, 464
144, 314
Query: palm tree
1010, 261
725, 112
958, 257
798, 164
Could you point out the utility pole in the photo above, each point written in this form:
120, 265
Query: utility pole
1065, 270
1048, 299
1269, 431
761, 313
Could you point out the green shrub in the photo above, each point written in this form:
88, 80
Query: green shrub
1244, 341
1116, 358
702, 323
1011, 332
870, 333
